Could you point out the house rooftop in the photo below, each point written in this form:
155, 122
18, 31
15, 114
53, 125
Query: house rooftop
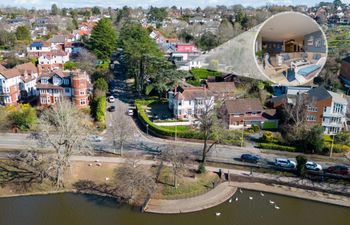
321, 93
192, 93
26, 67
221, 87
243, 105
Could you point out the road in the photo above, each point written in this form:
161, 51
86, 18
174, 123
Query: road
150, 145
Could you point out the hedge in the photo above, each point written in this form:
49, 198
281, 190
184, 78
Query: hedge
277, 147
166, 131
201, 73
337, 148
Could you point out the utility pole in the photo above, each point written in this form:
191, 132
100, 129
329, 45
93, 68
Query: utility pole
242, 136
330, 154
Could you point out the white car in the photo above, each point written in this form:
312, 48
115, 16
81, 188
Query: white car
130, 112
286, 163
309, 165
111, 99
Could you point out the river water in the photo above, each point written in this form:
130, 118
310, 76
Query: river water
77, 209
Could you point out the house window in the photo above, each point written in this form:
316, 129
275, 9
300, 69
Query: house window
189, 102
66, 90
312, 109
337, 108
82, 102
44, 80
236, 115
82, 92
311, 118
200, 102
180, 102
189, 112
179, 112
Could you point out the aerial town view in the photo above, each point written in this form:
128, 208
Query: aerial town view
197, 112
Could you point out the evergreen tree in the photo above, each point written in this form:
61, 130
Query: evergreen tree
103, 39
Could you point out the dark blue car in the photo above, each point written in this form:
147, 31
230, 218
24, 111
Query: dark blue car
250, 158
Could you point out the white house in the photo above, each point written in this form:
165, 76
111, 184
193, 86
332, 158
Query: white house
190, 102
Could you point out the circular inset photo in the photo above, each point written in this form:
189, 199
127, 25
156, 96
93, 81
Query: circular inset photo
290, 48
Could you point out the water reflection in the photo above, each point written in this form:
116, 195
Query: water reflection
246, 208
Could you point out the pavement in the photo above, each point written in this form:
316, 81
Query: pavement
216, 196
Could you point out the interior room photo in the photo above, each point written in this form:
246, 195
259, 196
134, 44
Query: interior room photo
290, 48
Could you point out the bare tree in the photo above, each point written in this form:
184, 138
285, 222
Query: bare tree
121, 127
209, 126
134, 180
86, 61
65, 129
177, 158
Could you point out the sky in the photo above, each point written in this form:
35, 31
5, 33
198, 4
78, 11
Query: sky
146, 3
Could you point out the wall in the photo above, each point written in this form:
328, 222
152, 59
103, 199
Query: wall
273, 46
314, 42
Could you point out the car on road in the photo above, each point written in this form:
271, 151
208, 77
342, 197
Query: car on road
250, 158
111, 108
310, 165
285, 163
130, 112
96, 138
338, 169
111, 99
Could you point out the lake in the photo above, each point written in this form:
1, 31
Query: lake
78, 209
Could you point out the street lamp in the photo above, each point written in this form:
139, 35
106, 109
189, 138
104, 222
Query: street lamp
147, 128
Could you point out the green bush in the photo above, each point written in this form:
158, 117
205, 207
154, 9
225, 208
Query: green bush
24, 118
101, 109
70, 65
337, 148
255, 128
277, 147
201, 73
181, 131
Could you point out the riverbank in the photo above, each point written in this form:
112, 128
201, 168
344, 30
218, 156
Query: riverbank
214, 197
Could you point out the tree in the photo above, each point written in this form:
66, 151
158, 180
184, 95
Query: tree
96, 11
342, 138
23, 33
54, 10
86, 61
207, 41
294, 119
177, 159
135, 181
139, 52
101, 84
226, 31
24, 118
209, 125
157, 15
121, 127
4, 118
65, 129
313, 139
103, 39
70, 65
301, 161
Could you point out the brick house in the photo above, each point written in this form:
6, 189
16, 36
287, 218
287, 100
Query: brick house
54, 86
324, 108
243, 113
190, 102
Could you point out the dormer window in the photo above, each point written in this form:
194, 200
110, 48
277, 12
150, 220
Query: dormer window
44, 81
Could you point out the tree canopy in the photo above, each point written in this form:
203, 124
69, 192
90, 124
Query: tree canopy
23, 33
103, 39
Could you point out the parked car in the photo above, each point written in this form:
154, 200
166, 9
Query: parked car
309, 165
96, 138
111, 108
250, 158
285, 163
130, 112
337, 169
111, 99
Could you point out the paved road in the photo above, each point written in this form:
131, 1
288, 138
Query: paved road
150, 145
